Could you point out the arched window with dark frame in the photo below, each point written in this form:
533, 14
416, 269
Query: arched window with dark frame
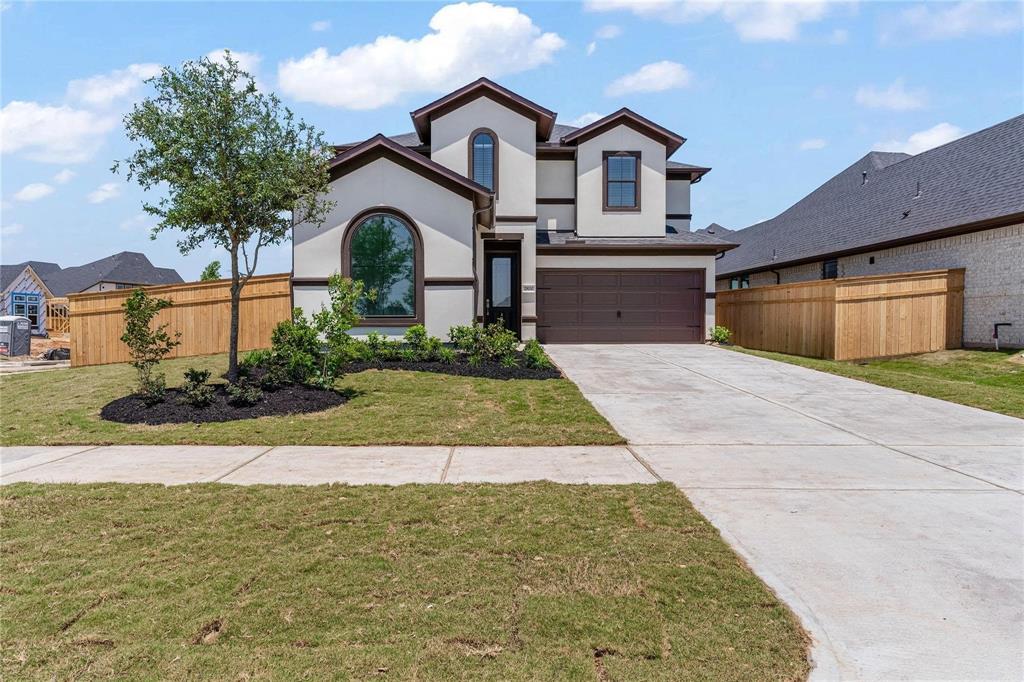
483, 158
382, 250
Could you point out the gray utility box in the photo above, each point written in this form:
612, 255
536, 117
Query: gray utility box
15, 335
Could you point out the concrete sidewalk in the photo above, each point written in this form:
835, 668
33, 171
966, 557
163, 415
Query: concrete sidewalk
311, 465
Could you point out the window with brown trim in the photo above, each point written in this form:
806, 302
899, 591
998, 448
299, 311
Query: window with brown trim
483, 158
382, 248
830, 269
621, 181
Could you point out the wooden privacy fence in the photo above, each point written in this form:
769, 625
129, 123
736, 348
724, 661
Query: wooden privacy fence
201, 311
852, 318
57, 321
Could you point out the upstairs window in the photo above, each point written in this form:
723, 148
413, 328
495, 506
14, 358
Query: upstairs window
830, 269
483, 159
622, 181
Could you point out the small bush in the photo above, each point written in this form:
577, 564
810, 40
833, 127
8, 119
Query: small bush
491, 343
720, 334
460, 335
147, 346
425, 348
243, 392
256, 358
382, 349
195, 391
446, 355
535, 355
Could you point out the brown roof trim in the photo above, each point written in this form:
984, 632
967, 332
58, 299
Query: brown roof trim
631, 249
555, 153
678, 216
379, 146
420, 148
624, 116
483, 87
515, 219
693, 174
503, 236
543, 201
966, 228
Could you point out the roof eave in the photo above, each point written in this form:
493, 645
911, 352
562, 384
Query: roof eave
635, 249
624, 116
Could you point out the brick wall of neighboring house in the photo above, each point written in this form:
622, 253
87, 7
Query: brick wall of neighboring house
993, 286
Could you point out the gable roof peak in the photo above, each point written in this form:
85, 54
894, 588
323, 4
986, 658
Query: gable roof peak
481, 87
626, 116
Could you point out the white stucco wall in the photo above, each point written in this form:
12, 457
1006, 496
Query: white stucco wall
706, 263
564, 216
444, 220
517, 145
592, 220
556, 178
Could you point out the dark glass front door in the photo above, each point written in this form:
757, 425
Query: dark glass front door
501, 289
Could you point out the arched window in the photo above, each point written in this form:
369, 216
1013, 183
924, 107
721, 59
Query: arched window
382, 250
483, 158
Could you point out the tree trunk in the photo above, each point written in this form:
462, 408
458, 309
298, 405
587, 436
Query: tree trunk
236, 295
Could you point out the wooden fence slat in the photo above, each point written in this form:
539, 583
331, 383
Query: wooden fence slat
201, 312
851, 318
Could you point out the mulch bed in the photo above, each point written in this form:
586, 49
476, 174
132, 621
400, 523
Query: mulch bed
286, 400
461, 368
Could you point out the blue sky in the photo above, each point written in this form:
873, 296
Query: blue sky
775, 97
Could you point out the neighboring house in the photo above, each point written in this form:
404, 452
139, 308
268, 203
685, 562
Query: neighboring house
27, 286
960, 205
490, 211
24, 291
716, 230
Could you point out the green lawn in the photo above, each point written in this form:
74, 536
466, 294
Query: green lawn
531, 581
990, 380
389, 407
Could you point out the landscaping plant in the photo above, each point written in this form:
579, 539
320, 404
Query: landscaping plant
720, 334
147, 346
195, 391
535, 355
244, 392
486, 343
232, 165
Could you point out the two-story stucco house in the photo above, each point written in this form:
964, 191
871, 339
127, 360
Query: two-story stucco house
490, 211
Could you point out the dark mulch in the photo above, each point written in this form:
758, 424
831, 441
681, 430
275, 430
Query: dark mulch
461, 368
286, 400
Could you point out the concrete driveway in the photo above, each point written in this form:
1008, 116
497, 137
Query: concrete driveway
893, 524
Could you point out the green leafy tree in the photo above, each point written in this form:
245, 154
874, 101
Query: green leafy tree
210, 272
238, 169
147, 346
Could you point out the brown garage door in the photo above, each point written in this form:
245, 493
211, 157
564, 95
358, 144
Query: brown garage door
620, 306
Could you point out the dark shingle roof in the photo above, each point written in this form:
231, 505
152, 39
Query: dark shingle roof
715, 229
127, 267
976, 178
672, 237
9, 273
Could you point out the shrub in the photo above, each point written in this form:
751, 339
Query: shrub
416, 336
147, 346
720, 334
256, 358
490, 343
535, 355
243, 392
382, 349
446, 355
297, 348
195, 391
425, 348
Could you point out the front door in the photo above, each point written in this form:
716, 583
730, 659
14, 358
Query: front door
501, 287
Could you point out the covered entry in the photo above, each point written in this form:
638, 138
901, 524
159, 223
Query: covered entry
620, 306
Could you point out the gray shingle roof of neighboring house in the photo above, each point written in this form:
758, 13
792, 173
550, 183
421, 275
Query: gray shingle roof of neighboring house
127, 267
885, 199
715, 229
9, 273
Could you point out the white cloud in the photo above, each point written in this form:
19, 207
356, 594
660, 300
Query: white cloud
839, 36
34, 191
896, 97
107, 89
656, 77
52, 133
322, 25
753, 21
923, 140
105, 192
140, 222
607, 32
12, 229
591, 47
946, 20
812, 143
64, 176
247, 61
465, 41
585, 119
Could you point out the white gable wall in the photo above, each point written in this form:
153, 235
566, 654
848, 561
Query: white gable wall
592, 220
